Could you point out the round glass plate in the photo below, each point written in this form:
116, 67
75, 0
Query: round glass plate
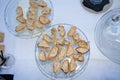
11, 22
47, 67
107, 35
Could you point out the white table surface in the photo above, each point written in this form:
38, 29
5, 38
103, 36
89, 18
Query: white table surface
65, 11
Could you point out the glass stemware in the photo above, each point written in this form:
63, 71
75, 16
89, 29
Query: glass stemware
107, 35
6, 61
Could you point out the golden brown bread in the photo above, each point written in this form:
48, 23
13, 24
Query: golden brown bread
42, 56
31, 16
83, 44
53, 52
2, 48
33, 3
1, 36
72, 31
54, 32
81, 58
43, 44
38, 24
61, 31
65, 66
20, 27
43, 3
70, 51
62, 53
33, 10
82, 50
21, 19
56, 67
46, 11
19, 11
47, 38
44, 20
72, 65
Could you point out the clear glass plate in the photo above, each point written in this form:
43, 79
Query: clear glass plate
107, 35
47, 67
11, 22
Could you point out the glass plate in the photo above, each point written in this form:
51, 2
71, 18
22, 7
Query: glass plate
46, 67
107, 35
11, 22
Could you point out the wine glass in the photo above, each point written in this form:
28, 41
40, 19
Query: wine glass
107, 35
6, 61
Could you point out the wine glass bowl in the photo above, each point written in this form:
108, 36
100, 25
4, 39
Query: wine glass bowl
107, 35
7, 61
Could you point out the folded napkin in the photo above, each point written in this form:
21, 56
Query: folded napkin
6, 76
95, 7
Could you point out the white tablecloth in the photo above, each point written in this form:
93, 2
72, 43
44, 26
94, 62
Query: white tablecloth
65, 11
